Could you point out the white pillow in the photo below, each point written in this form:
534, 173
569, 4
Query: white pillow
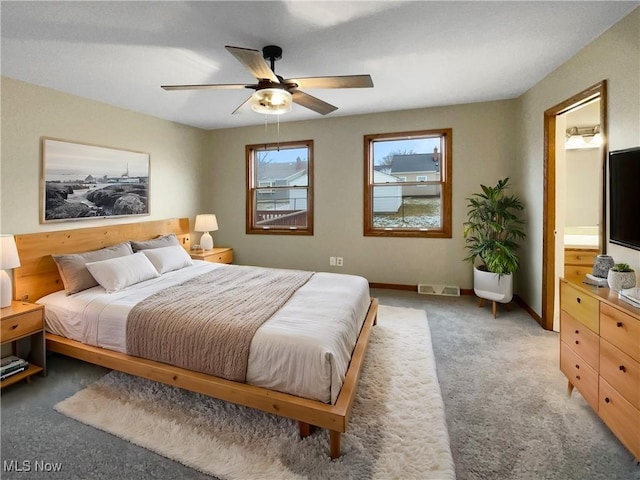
118, 273
167, 259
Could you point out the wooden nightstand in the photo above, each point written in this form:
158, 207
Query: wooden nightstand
216, 255
20, 321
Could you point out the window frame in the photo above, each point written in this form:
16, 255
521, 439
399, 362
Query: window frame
253, 187
445, 183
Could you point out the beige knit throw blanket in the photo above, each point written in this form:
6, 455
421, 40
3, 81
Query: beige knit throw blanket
206, 324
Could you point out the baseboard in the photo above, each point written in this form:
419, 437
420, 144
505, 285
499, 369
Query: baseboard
463, 291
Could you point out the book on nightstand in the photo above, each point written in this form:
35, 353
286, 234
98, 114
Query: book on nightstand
11, 365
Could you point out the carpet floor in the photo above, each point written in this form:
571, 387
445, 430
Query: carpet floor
397, 428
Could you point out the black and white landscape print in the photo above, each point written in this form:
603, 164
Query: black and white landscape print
85, 181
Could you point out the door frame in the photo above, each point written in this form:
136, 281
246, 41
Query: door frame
599, 90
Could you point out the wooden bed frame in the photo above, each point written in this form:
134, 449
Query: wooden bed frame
38, 276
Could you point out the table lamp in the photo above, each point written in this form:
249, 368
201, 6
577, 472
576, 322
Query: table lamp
8, 259
206, 223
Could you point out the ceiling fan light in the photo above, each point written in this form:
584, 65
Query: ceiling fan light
271, 101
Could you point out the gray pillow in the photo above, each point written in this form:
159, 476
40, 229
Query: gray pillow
166, 241
73, 271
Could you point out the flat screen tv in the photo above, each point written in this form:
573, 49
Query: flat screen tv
624, 197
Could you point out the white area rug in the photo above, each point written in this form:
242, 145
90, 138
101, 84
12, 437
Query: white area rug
397, 429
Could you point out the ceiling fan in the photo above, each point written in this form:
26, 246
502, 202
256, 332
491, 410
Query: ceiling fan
274, 94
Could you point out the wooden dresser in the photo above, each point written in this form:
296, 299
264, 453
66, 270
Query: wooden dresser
600, 355
578, 261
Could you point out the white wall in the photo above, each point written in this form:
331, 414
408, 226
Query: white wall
30, 112
483, 147
614, 56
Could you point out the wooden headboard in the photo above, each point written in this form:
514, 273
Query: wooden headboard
38, 274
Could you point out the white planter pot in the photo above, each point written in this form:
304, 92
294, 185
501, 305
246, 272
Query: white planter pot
491, 286
620, 280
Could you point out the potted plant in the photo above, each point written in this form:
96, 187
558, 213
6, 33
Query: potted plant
621, 276
492, 231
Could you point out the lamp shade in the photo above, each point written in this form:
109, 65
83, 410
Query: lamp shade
8, 252
206, 222
271, 101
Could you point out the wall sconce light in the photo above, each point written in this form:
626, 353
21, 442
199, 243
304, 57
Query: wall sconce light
206, 223
8, 259
271, 101
583, 137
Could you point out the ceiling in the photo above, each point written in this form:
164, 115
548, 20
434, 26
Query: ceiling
419, 54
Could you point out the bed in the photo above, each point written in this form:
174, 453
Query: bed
326, 403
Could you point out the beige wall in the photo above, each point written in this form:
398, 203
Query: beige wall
30, 112
194, 171
483, 152
615, 57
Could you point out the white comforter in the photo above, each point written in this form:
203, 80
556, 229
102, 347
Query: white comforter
303, 349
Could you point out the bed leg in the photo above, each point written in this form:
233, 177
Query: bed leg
305, 429
334, 444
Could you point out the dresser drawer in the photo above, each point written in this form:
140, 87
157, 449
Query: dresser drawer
620, 371
620, 416
21, 325
576, 273
580, 339
580, 306
580, 257
580, 374
621, 330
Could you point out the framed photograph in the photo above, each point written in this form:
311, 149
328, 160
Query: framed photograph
83, 181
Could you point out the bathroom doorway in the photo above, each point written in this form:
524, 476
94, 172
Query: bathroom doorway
584, 115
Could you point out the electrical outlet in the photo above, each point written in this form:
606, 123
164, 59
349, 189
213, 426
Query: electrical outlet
339, 261
332, 261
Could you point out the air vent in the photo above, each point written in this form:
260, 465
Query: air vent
447, 290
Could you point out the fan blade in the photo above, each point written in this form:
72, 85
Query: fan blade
241, 107
220, 86
312, 103
254, 61
346, 81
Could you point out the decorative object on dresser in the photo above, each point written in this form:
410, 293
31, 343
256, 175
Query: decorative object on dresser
216, 254
206, 222
621, 276
602, 265
9, 259
492, 230
23, 327
600, 356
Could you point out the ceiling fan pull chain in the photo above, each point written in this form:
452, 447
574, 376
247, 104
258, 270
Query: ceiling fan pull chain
265, 132
278, 132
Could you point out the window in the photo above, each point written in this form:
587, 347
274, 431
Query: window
407, 184
285, 206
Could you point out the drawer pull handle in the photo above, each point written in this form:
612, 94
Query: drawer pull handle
577, 377
606, 399
13, 327
623, 369
619, 324
579, 257
577, 331
577, 342
577, 367
578, 300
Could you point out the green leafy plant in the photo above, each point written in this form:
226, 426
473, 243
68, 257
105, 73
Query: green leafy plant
622, 267
493, 228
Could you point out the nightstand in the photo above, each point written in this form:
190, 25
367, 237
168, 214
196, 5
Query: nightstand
216, 255
22, 322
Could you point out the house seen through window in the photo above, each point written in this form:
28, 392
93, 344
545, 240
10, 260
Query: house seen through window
408, 184
280, 188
